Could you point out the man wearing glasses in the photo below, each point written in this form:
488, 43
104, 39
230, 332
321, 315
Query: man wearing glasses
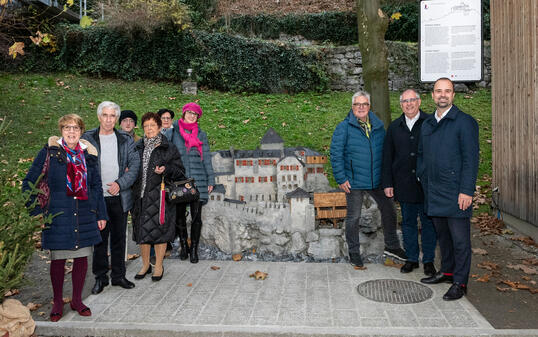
356, 159
399, 180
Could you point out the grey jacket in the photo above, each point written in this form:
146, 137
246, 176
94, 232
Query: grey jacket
128, 162
195, 167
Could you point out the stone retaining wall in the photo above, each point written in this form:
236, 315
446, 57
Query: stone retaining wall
345, 68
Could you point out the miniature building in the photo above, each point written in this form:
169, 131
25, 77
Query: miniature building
267, 174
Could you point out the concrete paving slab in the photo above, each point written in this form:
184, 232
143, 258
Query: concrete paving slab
296, 299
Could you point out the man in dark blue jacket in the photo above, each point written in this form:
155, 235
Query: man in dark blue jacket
119, 165
447, 167
356, 158
399, 180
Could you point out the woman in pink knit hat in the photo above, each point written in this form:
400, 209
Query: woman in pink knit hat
193, 146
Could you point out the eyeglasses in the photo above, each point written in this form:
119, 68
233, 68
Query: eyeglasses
188, 112
166, 118
409, 100
150, 125
71, 128
361, 105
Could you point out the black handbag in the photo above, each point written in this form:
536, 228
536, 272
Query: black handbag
183, 191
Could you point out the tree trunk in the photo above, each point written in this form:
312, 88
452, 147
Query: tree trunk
373, 24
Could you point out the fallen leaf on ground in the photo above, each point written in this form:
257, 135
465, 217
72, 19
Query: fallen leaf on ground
475, 275
526, 278
526, 240
480, 251
67, 300
259, 275
222, 126
534, 290
132, 256
488, 265
390, 263
11, 292
33, 306
484, 278
237, 257
523, 268
246, 121
503, 289
531, 262
67, 270
41, 313
359, 267
215, 268
488, 224
189, 284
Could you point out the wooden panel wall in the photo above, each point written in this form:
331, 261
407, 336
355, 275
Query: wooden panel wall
514, 54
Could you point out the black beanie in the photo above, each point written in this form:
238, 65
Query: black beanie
128, 114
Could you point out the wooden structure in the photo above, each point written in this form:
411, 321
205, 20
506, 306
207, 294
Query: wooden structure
514, 54
330, 206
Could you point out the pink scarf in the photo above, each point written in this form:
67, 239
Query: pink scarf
191, 139
77, 173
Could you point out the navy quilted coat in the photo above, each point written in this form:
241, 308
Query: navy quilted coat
74, 225
355, 157
195, 167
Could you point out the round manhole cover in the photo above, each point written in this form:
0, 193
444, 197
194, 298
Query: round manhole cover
394, 291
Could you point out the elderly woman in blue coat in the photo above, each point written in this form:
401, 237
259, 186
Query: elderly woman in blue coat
193, 146
76, 203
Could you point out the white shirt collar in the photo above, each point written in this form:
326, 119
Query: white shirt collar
411, 121
443, 115
82, 145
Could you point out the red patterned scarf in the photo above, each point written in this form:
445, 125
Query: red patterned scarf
191, 139
77, 173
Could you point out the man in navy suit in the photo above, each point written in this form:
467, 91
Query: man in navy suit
447, 167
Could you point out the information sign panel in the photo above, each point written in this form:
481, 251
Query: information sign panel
451, 40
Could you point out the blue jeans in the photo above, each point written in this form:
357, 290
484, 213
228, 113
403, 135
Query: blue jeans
353, 217
410, 213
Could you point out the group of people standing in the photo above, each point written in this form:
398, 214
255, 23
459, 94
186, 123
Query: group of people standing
96, 177
429, 164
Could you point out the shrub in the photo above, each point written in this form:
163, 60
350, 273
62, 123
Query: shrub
219, 61
146, 15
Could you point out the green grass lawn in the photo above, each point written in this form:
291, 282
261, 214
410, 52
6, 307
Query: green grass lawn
33, 103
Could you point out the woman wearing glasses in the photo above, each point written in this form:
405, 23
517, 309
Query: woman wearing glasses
76, 203
154, 218
167, 118
193, 146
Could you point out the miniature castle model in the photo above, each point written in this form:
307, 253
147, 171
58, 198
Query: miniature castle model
263, 200
270, 172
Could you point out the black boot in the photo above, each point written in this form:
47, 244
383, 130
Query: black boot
193, 252
183, 249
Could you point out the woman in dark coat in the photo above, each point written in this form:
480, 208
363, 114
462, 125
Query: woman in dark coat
160, 161
77, 204
193, 146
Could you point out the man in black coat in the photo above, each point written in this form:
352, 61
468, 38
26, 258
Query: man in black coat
399, 180
447, 167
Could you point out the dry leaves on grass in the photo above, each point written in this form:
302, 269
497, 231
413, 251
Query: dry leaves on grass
237, 257
215, 268
33, 306
11, 292
390, 263
488, 224
526, 240
523, 268
259, 275
480, 251
132, 256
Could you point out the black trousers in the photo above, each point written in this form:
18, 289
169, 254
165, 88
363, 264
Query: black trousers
196, 221
115, 230
454, 237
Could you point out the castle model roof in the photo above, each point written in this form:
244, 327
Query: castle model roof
298, 193
271, 137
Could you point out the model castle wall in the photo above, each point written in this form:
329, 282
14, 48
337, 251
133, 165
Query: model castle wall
262, 199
